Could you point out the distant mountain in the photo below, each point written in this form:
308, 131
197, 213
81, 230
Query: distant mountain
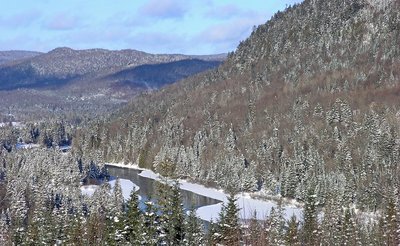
62, 66
15, 55
157, 75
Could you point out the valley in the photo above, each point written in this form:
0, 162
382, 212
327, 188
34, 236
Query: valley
292, 138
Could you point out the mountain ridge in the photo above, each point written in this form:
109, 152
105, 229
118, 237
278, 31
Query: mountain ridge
16, 55
62, 65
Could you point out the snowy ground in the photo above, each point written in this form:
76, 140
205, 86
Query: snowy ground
126, 185
15, 124
248, 206
27, 146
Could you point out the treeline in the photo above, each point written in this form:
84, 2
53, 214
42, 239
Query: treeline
46, 134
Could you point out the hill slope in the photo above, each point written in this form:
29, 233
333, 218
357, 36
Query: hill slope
15, 55
309, 102
64, 65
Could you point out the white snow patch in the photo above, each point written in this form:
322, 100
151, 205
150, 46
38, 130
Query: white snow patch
88, 190
127, 187
149, 174
123, 165
65, 147
26, 146
16, 124
248, 207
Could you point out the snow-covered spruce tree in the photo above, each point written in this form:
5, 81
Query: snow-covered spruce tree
276, 224
41, 227
172, 215
5, 237
331, 221
134, 229
292, 237
18, 217
253, 233
194, 231
349, 230
229, 230
151, 224
77, 229
391, 220
115, 220
310, 221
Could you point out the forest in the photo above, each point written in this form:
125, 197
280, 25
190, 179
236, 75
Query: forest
306, 109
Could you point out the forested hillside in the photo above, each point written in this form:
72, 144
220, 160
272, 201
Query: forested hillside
15, 55
305, 112
308, 103
64, 66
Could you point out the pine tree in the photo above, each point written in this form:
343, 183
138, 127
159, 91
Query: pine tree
391, 220
276, 224
172, 216
349, 233
310, 224
194, 229
292, 233
133, 221
152, 226
116, 218
4, 230
254, 234
331, 222
228, 225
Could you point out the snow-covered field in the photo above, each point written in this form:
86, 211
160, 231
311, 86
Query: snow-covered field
248, 206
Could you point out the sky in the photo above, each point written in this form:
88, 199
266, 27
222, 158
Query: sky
154, 26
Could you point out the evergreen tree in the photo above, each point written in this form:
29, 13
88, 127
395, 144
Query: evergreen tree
229, 228
391, 220
133, 221
276, 224
172, 216
310, 224
292, 233
194, 229
254, 234
151, 222
349, 233
4, 230
116, 218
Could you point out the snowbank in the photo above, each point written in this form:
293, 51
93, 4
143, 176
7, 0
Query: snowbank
130, 166
126, 185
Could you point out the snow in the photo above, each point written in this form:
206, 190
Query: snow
126, 185
65, 147
246, 204
131, 166
88, 190
149, 174
16, 124
26, 146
